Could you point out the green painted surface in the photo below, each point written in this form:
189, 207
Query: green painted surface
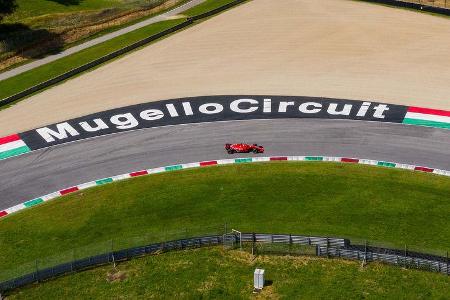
314, 158
242, 160
103, 181
386, 164
14, 152
33, 202
174, 168
426, 123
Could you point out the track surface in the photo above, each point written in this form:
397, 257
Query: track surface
48, 170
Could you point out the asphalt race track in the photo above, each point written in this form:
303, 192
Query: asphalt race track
45, 171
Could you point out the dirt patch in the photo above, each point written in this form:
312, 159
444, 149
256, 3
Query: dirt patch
326, 48
116, 276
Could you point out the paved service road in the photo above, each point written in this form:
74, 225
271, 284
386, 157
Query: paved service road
49, 170
103, 38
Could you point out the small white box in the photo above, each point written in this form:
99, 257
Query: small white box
258, 279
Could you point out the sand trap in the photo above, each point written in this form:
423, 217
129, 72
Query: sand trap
330, 48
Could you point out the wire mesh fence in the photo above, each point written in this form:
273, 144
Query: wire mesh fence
101, 247
119, 249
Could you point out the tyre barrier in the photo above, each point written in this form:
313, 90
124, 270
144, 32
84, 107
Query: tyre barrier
116, 178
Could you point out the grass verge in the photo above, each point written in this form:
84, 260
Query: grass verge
215, 273
389, 207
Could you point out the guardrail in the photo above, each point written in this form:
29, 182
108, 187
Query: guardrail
325, 247
112, 55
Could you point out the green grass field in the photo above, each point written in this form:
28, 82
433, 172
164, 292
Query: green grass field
387, 207
218, 274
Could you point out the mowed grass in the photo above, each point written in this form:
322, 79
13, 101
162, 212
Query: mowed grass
219, 274
387, 207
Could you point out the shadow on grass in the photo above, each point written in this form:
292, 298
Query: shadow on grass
27, 42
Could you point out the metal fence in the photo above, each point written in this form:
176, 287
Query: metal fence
324, 247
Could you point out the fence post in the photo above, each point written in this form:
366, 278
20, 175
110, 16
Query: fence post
365, 252
447, 265
253, 243
404, 261
112, 253
73, 260
37, 270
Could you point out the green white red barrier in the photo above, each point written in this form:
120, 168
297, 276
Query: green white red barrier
103, 181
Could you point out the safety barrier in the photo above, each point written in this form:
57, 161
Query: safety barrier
325, 247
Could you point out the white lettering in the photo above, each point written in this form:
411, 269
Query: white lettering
151, 114
304, 107
99, 122
363, 109
187, 109
379, 111
345, 110
124, 121
284, 105
172, 111
217, 108
234, 106
63, 129
267, 106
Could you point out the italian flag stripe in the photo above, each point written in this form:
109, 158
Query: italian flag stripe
9, 139
426, 123
429, 111
427, 117
14, 152
12, 146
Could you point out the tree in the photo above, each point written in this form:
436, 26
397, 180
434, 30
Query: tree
7, 7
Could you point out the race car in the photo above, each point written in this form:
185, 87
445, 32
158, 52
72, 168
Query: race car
244, 148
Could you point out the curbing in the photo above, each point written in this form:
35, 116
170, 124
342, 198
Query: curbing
107, 180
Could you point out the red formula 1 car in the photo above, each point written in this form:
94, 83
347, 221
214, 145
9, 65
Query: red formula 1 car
243, 148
